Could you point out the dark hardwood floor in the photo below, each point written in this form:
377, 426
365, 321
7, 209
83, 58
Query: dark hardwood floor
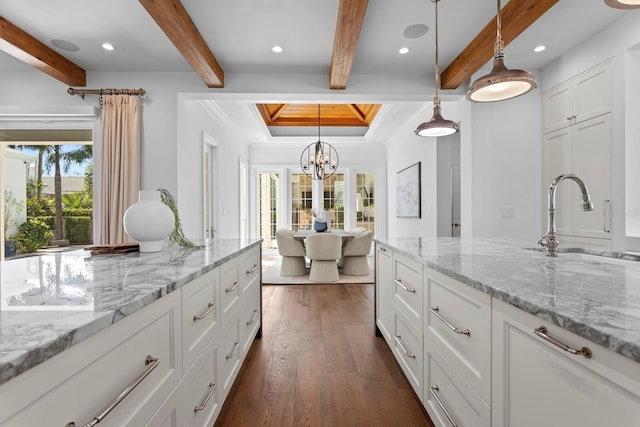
319, 363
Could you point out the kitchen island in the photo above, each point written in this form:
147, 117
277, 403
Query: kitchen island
63, 313
490, 331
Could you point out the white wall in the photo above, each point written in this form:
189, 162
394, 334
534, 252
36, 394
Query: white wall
15, 183
505, 153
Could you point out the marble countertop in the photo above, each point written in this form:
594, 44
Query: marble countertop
50, 302
596, 297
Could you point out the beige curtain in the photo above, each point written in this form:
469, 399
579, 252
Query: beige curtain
120, 164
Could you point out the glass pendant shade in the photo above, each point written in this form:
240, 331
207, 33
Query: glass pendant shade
623, 4
437, 126
501, 83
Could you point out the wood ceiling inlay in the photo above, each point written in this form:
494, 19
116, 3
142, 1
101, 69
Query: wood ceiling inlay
307, 114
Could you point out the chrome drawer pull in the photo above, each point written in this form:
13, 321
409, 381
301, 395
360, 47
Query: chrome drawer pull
383, 249
606, 214
541, 331
233, 288
254, 268
151, 363
212, 388
436, 311
399, 283
235, 348
253, 319
433, 390
411, 355
210, 307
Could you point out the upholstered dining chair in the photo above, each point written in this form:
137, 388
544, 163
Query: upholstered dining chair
323, 249
354, 255
292, 251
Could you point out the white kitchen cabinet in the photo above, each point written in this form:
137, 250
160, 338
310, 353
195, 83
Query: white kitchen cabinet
584, 150
201, 399
408, 289
457, 325
448, 397
536, 383
200, 315
384, 292
407, 346
78, 384
581, 98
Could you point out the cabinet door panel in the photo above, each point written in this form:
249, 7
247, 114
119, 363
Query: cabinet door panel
408, 289
592, 93
384, 292
592, 163
556, 108
557, 158
407, 346
538, 384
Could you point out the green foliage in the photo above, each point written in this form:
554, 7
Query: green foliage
78, 229
177, 235
67, 212
33, 234
12, 209
42, 207
88, 179
50, 221
32, 188
77, 200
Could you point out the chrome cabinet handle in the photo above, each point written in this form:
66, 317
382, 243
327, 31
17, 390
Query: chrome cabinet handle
151, 363
233, 288
606, 213
212, 388
252, 269
398, 338
433, 390
399, 283
210, 307
254, 318
436, 312
541, 331
233, 352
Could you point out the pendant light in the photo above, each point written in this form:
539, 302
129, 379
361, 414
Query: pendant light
623, 4
319, 160
437, 126
501, 83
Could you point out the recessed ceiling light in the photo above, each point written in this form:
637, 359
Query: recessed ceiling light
107, 46
277, 49
539, 48
403, 50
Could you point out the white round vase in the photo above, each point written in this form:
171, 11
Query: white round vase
149, 221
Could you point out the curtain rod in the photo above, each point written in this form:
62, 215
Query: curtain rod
83, 92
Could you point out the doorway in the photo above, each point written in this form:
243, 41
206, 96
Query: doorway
210, 187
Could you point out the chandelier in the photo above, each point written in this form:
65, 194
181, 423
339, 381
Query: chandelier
319, 160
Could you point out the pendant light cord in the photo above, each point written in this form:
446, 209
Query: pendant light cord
318, 122
499, 45
436, 100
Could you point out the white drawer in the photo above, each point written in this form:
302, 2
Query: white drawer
458, 324
200, 315
407, 348
250, 264
408, 288
229, 288
446, 396
201, 397
249, 318
91, 374
229, 356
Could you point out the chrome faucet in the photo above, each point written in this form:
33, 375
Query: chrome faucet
549, 239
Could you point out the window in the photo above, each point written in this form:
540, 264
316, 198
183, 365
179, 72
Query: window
269, 201
301, 202
365, 202
333, 199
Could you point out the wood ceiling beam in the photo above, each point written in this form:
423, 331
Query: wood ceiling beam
516, 17
348, 26
31, 51
356, 112
173, 19
276, 114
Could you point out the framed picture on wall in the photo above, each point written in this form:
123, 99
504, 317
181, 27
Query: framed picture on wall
408, 192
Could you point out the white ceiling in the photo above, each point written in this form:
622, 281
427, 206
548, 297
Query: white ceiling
240, 33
